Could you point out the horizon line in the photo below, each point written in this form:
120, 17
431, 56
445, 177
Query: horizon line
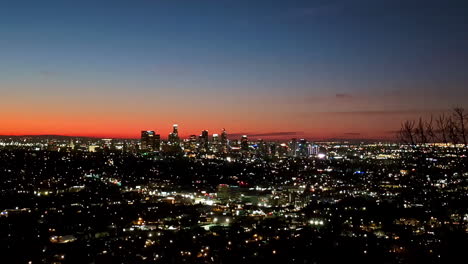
273, 138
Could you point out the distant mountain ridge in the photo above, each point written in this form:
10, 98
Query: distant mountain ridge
65, 137
60, 137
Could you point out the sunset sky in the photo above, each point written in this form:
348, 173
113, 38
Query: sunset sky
271, 68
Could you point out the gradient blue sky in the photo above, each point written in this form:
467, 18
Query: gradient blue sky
336, 68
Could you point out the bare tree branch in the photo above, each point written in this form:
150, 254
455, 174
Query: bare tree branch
420, 132
452, 131
459, 120
407, 132
442, 126
430, 130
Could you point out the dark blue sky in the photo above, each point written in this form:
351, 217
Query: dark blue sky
305, 56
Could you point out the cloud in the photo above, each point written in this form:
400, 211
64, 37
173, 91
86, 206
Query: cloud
386, 112
373, 113
326, 99
352, 134
398, 114
267, 134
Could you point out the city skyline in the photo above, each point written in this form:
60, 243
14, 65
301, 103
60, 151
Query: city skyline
165, 134
233, 131
322, 69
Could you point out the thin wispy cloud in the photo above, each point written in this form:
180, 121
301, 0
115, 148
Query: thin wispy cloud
383, 112
371, 113
352, 134
268, 134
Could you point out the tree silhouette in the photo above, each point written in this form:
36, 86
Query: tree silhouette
448, 129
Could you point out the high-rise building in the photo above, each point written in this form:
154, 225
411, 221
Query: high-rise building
215, 144
313, 150
283, 150
204, 140
174, 136
224, 142
224, 139
148, 140
204, 135
302, 148
215, 138
191, 144
157, 142
293, 147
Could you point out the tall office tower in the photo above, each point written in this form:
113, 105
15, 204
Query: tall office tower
244, 143
147, 140
157, 142
174, 136
293, 147
192, 143
283, 150
215, 138
302, 148
204, 135
224, 142
224, 139
204, 140
215, 144
309, 150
